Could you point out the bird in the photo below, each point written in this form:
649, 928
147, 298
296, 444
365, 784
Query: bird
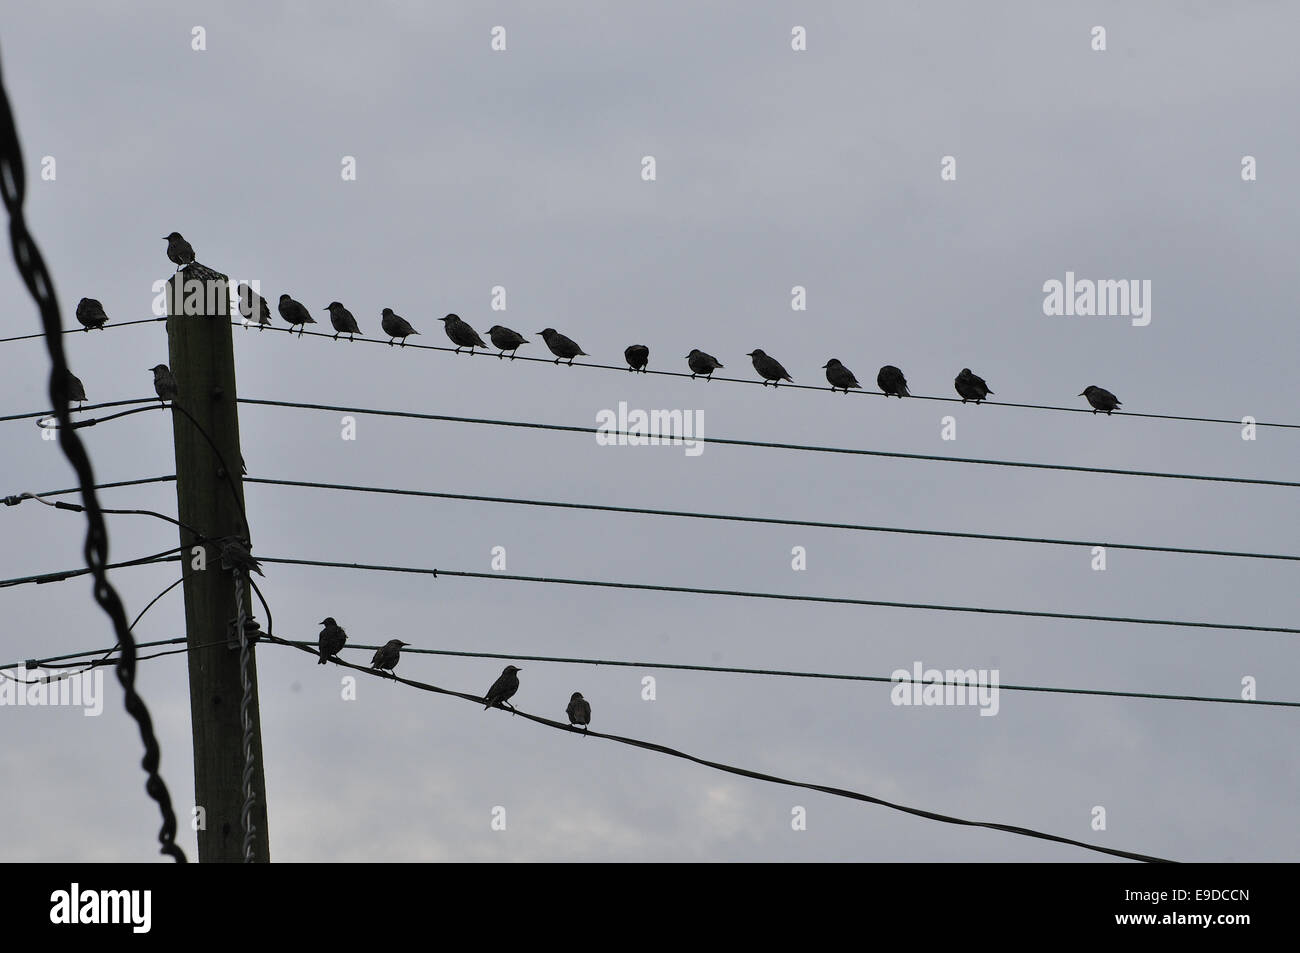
503, 689
164, 384
179, 251
579, 711
296, 313
395, 326
892, 382
506, 340
1100, 398
701, 363
561, 346
388, 655
637, 357
342, 320
839, 375
769, 368
970, 386
91, 313
236, 553
252, 304
461, 334
332, 639
73, 388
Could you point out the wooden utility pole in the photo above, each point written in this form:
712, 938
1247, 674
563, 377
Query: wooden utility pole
202, 358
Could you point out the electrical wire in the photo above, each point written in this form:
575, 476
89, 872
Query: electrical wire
743, 772
119, 324
762, 520
785, 673
565, 428
622, 368
42, 578
782, 596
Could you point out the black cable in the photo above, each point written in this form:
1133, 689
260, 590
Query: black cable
564, 428
118, 324
744, 772
786, 386
782, 596
39, 283
784, 673
765, 520
98, 486
112, 403
42, 578
75, 508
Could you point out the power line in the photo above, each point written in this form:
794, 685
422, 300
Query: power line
786, 597
743, 772
36, 414
763, 520
98, 486
119, 324
447, 418
42, 578
622, 368
40, 285
785, 673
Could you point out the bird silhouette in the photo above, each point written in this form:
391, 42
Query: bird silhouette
701, 363
769, 368
505, 340
840, 376
395, 326
971, 386
892, 382
1100, 398
342, 321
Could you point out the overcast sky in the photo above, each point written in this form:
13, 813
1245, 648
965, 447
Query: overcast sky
775, 168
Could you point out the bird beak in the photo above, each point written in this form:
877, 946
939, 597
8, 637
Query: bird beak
824, 366
1081, 393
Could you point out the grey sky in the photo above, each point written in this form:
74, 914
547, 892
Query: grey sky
775, 169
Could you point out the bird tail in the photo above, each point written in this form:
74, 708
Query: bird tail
321, 660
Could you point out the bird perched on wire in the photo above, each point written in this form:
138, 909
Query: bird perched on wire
503, 689
91, 313
839, 376
971, 386
296, 313
891, 382
505, 340
1100, 398
579, 711
237, 554
73, 388
395, 326
253, 307
388, 655
332, 639
701, 363
769, 368
164, 384
561, 346
461, 334
637, 357
179, 251
342, 321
